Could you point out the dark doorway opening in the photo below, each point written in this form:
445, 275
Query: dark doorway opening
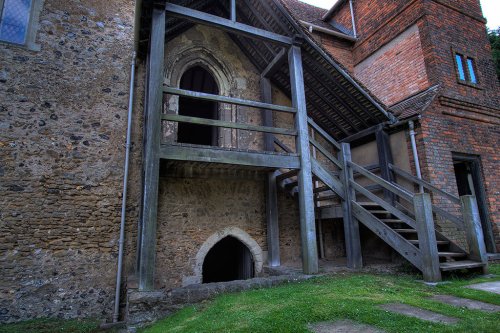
469, 182
200, 80
228, 260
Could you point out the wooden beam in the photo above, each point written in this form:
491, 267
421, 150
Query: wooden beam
325, 152
361, 134
152, 130
306, 198
326, 177
225, 24
211, 155
283, 146
351, 225
233, 10
275, 64
266, 92
323, 133
474, 230
384, 160
426, 237
228, 100
227, 124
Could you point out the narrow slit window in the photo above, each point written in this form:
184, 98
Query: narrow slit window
15, 20
472, 73
460, 67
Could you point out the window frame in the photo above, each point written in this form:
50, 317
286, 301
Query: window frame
465, 58
31, 29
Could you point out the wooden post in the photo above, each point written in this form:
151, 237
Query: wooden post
152, 130
474, 230
427, 237
351, 224
273, 236
384, 159
306, 195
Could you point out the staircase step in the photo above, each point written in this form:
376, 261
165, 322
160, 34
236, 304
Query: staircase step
454, 265
378, 211
286, 175
391, 221
291, 185
405, 231
366, 204
326, 197
321, 189
452, 254
415, 242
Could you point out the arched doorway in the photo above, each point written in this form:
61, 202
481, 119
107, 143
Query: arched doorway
228, 260
198, 79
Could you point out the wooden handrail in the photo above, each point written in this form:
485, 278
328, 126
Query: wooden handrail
227, 124
382, 182
325, 152
323, 133
228, 100
425, 184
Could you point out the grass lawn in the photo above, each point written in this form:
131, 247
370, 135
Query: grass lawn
289, 308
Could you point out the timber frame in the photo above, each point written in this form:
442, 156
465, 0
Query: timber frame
326, 102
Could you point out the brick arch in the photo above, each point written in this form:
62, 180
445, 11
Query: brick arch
237, 233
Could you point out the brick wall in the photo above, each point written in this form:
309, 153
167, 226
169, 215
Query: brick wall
63, 114
397, 70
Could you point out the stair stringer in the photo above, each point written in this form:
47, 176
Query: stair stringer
324, 175
388, 235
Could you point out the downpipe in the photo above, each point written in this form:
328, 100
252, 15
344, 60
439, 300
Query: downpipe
411, 124
116, 312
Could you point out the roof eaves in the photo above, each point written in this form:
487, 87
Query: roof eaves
332, 10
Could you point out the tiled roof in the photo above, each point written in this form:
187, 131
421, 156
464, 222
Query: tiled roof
309, 13
416, 104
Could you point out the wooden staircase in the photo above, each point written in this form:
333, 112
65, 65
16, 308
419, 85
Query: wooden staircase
405, 222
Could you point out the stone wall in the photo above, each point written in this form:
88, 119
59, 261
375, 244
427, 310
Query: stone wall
63, 114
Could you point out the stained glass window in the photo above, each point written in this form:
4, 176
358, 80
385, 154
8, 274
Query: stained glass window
14, 20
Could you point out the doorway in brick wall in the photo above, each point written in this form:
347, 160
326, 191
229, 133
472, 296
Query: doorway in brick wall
228, 260
469, 182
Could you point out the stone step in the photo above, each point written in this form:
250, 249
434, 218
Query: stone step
463, 264
419, 313
466, 303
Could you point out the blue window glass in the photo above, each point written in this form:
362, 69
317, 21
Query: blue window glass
460, 67
14, 20
472, 74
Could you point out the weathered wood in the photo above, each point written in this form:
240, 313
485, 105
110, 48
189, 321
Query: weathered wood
351, 224
227, 124
361, 134
387, 206
228, 100
286, 175
152, 130
275, 64
306, 199
283, 146
408, 176
326, 177
254, 159
323, 133
325, 152
273, 233
226, 24
473, 229
384, 159
448, 216
395, 240
233, 10
266, 92
427, 242
385, 184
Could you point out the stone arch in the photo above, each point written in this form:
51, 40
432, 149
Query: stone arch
177, 62
235, 232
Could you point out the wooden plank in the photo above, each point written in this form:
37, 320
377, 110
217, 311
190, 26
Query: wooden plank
332, 182
408, 176
286, 175
225, 24
387, 206
323, 133
306, 198
233, 10
273, 232
427, 242
147, 246
228, 100
275, 64
361, 134
392, 238
325, 152
351, 224
227, 124
198, 154
473, 229
382, 182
